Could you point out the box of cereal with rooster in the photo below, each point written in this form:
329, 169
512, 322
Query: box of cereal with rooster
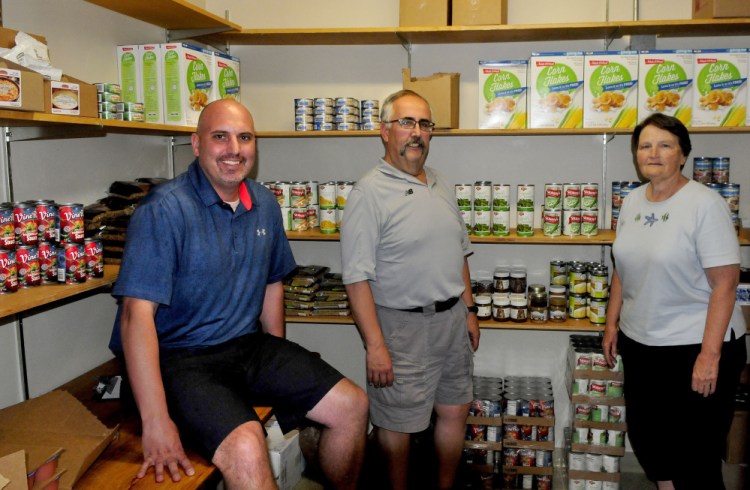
556, 90
502, 94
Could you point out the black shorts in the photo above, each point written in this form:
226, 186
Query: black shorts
211, 391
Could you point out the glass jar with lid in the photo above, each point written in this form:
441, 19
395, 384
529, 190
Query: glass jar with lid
500, 307
518, 280
558, 304
484, 306
501, 280
518, 311
537, 303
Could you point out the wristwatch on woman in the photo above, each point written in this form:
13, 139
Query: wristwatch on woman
473, 309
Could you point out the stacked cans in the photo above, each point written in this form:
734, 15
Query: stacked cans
488, 402
336, 114
586, 288
111, 105
620, 191
299, 203
34, 239
333, 198
485, 207
571, 209
714, 172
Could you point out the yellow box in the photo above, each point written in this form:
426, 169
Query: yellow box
441, 91
479, 12
422, 13
713, 9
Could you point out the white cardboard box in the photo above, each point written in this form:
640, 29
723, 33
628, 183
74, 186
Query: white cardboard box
610, 97
502, 94
556, 90
665, 84
129, 72
188, 87
720, 79
286, 457
152, 82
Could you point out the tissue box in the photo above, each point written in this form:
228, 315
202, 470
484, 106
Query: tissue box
422, 13
285, 454
441, 91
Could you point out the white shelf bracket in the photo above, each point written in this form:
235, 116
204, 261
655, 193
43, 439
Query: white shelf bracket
408, 48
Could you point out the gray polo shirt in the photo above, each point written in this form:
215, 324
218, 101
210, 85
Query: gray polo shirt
407, 238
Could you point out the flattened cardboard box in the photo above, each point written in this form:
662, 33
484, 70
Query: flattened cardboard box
51, 421
441, 91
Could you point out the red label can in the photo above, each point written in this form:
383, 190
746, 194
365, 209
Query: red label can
7, 228
94, 257
48, 262
27, 260
71, 263
24, 221
8, 272
71, 223
46, 218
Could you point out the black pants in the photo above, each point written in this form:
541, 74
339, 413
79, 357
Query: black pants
676, 433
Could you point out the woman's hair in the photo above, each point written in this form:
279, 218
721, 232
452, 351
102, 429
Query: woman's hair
667, 123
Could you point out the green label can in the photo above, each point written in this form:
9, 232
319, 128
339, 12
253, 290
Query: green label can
590, 196
551, 223
525, 222
463, 196
553, 197
589, 223
482, 195
501, 197
501, 222
482, 220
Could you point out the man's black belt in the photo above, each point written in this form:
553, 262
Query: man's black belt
438, 305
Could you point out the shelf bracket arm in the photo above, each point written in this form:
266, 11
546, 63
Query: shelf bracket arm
6, 192
407, 47
180, 34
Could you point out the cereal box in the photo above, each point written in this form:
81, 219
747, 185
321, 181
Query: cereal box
188, 86
227, 76
556, 90
502, 94
152, 82
128, 71
610, 95
666, 84
721, 87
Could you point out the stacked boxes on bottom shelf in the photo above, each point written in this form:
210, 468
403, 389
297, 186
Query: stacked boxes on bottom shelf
510, 431
598, 413
314, 291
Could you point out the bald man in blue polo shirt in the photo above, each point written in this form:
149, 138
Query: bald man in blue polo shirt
201, 322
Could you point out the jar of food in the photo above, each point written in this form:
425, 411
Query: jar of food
484, 287
500, 307
558, 304
484, 306
518, 311
501, 280
518, 281
538, 305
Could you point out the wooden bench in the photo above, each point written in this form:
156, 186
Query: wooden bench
116, 467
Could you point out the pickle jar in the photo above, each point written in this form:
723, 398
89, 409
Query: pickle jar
518, 281
558, 304
484, 307
518, 311
501, 280
500, 307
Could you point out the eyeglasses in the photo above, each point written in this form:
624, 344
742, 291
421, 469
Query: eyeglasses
411, 123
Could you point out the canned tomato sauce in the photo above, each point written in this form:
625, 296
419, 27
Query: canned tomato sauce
27, 262
71, 263
71, 223
7, 228
94, 254
24, 222
46, 218
8, 272
48, 262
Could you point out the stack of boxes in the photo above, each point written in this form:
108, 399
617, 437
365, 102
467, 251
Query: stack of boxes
314, 291
598, 413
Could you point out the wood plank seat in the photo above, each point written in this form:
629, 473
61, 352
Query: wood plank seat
116, 467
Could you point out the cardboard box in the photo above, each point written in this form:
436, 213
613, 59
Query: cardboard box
479, 12
29, 83
556, 90
285, 454
227, 76
720, 80
502, 94
151, 82
70, 87
44, 425
610, 96
424, 13
128, 72
713, 9
188, 86
666, 84
441, 91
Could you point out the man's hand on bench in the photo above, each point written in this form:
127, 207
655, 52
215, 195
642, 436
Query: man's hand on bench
162, 448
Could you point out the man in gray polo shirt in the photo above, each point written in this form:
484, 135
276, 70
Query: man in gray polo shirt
404, 248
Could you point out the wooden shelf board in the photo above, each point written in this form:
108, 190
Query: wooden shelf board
486, 34
169, 14
27, 299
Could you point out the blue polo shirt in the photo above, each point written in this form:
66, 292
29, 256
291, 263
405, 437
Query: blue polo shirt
205, 265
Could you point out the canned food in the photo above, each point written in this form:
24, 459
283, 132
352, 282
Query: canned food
611, 464
597, 387
577, 306
720, 170
527, 457
298, 195
94, 255
133, 116
597, 311
311, 189
307, 119
282, 190
598, 437
500, 222
303, 102
25, 224
576, 461
324, 102
71, 263
525, 197
571, 222
369, 104
46, 218
581, 435
342, 193
463, 196
598, 286
339, 217
108, 87
346, 118
327, 195
346, 101
615, 438
553, 196
593, 462
731, 194
312, 216
8, 271
324, 126
511, 432
590, 196
589, 222
466, 216
71, 223
614, 388
482, 222
327, 220
599, 412
373, 114
551, 223
347, 126
47, 262
304, 127
304, 111
524, 223
702, 170
482, 195
543, 458
582, 411
27, 264
571, 196
370, 125
501, 197
7, 228
616, 413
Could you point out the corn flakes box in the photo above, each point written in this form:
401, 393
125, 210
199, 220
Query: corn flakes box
721, 87
502, 94
128, 72
152, 82
666, 84
227, 76
610, 96
556, 90
188, 86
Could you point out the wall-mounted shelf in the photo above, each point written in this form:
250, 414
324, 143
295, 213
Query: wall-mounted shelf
169, 14
27, 299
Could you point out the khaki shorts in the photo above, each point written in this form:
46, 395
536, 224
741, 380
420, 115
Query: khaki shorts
432, 363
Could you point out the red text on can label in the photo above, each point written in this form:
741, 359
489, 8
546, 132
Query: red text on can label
27, 260
71, 263
48, 261
24, 221
7, 228
46, 218
94, 255
8, 271
71, 223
